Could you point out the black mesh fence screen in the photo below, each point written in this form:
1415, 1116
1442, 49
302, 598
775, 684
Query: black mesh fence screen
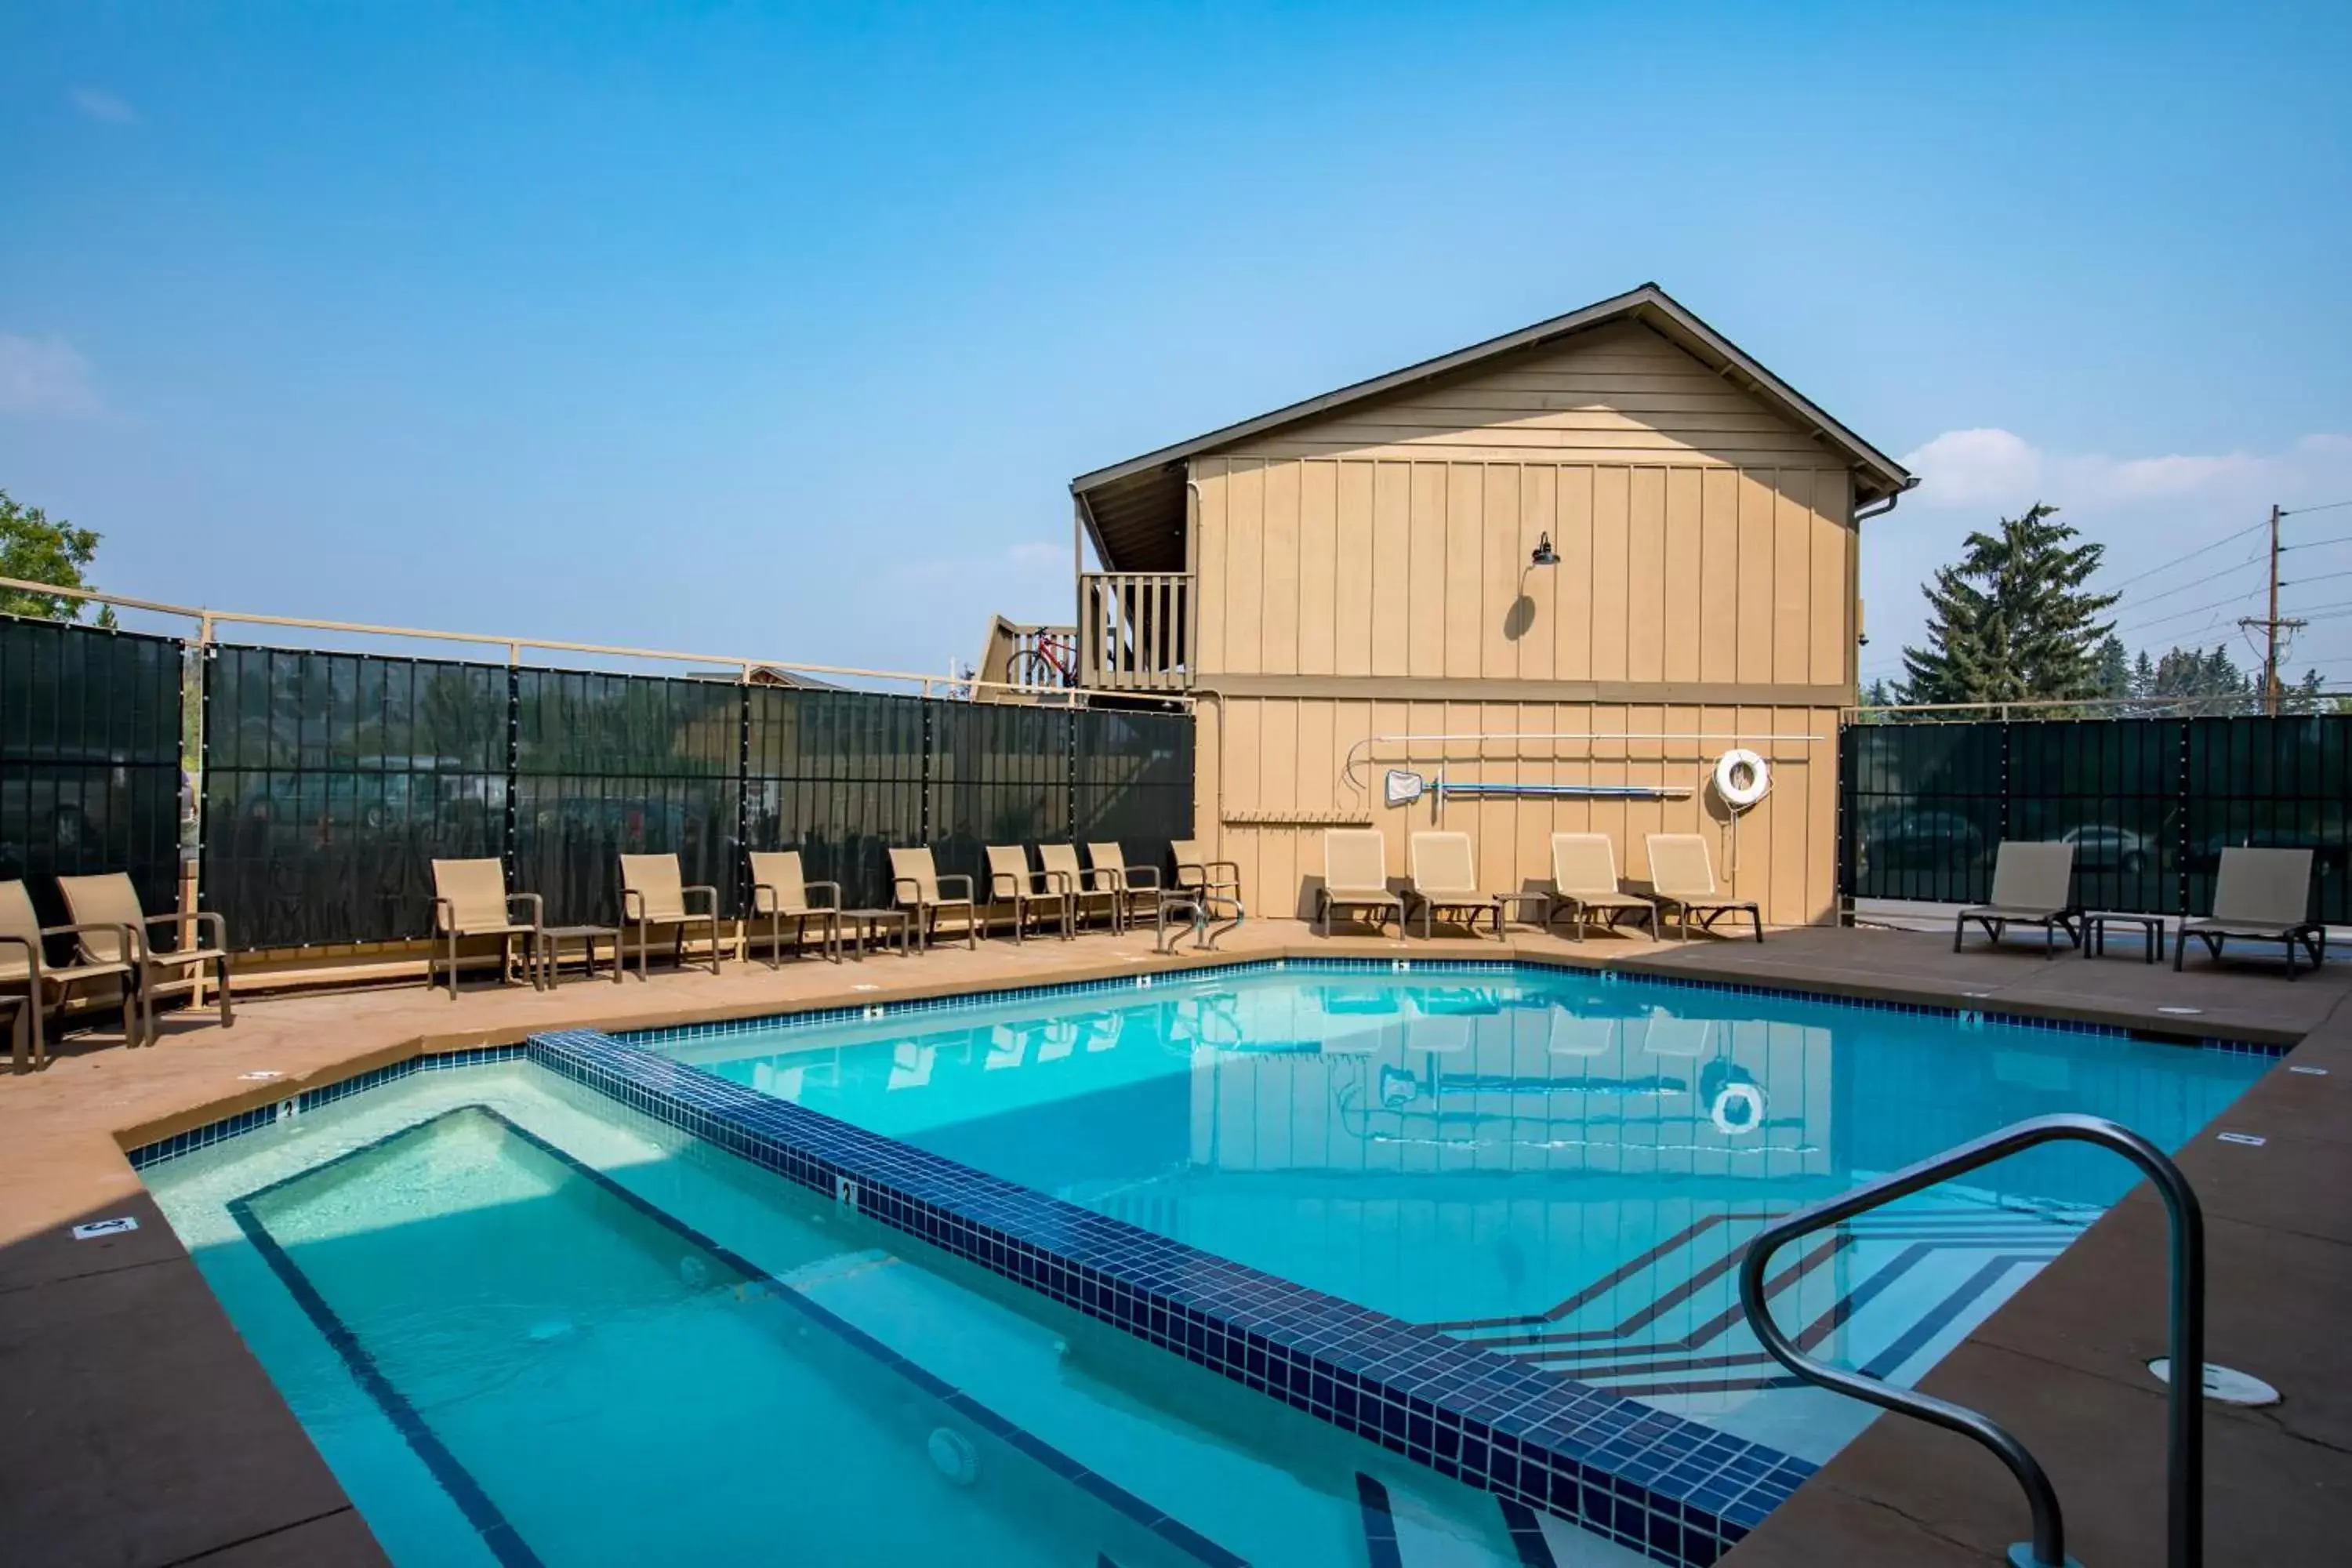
333, 781
2148, 804
613, 764
90, 757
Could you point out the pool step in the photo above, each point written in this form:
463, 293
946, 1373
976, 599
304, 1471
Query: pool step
1887, 1293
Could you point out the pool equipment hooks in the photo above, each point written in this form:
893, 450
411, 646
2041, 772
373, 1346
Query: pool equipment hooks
1401, 787
2185, 1461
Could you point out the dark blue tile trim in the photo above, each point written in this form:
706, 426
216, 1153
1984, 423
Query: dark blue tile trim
476, 1504
245, 1122
1527, 1536
867, 1012
1380, 1548
1678, 1491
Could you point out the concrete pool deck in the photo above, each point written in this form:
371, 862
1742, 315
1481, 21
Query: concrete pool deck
140, 1432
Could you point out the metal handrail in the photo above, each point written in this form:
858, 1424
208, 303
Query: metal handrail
2185, 1465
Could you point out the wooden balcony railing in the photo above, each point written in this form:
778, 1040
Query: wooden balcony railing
1135, 631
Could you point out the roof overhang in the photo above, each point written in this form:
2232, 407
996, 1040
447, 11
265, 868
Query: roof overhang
1134, 511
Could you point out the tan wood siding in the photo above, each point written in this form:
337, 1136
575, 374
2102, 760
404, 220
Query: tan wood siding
1280, 779
1370, 572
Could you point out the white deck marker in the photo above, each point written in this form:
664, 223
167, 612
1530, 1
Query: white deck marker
97, 1227
2250, 1140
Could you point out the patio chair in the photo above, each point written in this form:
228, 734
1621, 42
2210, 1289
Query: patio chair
104, 909
470, 898
1138, 887
1010, 881
1197, 873
24, 965
652, 898
1584, 883
2261, 895
916, 884
1445, 877
1682, 879
2032, 885
780, 893
1356, 877
1061, 864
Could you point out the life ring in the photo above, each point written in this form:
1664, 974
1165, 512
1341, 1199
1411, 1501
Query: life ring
1742, 778
1747, 1094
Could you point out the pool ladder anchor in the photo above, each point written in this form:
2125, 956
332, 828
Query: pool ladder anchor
2185, 1461
1214, 914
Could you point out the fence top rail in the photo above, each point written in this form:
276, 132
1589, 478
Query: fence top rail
2211, 705
206, 619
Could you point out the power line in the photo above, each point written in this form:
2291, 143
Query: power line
2323, 576
2183, 614
2225, 538
2200, 582
2323, 506
2315, 544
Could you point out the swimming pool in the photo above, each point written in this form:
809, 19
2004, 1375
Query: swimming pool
526, 1325
1558, 1166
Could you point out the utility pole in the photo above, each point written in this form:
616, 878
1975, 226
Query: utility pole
2270, 623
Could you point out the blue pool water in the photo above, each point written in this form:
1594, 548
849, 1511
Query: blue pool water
526, 1325
1557, 1166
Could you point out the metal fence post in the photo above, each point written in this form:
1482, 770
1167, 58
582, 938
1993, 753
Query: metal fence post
2184, 846
509, 847
923, 794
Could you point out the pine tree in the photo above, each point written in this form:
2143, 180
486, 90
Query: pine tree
2115, 676
2010, 623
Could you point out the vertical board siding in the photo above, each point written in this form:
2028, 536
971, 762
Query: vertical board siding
1287, 755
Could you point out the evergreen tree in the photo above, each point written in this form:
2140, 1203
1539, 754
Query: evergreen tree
2010, 623
2203, 684
2115, 676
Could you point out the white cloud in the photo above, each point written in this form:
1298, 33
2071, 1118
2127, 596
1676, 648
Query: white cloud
44, 375
1971, 467
103, 105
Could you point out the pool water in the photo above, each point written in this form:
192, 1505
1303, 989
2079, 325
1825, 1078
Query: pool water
1558, 1165
526, 1325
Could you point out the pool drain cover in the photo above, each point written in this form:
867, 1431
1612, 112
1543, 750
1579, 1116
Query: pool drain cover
2224, 1385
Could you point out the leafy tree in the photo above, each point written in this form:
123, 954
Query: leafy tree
36, 549
2010, 623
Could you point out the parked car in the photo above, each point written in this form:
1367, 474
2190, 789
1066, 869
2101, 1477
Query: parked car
1905, 839
2099, 847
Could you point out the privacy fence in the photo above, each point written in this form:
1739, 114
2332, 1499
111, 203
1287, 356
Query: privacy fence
330, 782
2148, 804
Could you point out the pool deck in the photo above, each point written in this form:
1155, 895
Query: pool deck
139, 1432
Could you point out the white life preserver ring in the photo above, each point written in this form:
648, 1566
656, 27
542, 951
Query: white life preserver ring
1742, 778
1746, 1094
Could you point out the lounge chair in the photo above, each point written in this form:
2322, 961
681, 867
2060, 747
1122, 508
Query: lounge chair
1010, 881
2032, 885
652, 898
1445, 877
1356, 877
1584, 883
1062, 869
104, 908
1138, 887
1682, 879
918, 887
780, 893
25, 965
1196, 873
2261, 895
470, 898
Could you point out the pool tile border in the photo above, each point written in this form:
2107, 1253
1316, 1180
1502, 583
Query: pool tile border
244, 1121
1680, 1493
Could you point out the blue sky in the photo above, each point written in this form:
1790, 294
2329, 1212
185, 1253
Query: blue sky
781, 331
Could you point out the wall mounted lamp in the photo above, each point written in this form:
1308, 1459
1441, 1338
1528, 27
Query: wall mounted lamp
1545, 555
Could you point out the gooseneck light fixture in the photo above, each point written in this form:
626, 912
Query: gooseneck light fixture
1545, 555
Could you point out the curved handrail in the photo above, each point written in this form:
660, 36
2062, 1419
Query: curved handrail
1205, 901
2185, 1464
